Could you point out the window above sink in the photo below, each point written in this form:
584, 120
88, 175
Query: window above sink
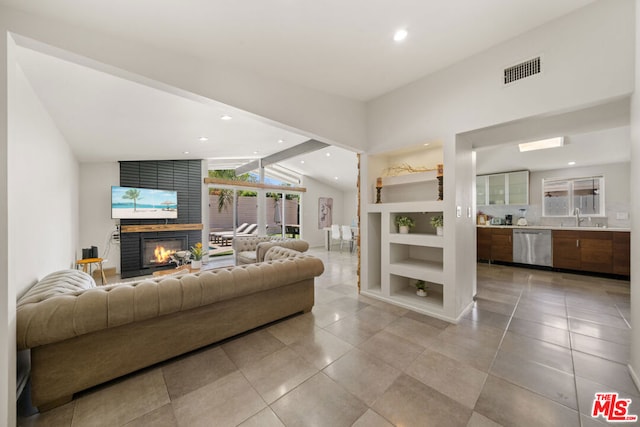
561, 197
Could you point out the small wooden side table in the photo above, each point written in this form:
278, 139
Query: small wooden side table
86, 265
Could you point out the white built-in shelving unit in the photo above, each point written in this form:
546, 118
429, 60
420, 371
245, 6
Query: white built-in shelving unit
393, 262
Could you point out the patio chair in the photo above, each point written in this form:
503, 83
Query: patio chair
215, 236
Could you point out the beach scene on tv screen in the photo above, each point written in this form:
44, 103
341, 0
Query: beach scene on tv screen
143, 203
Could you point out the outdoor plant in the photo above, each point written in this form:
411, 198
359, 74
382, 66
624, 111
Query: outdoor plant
405, 221
437, 221
197, 251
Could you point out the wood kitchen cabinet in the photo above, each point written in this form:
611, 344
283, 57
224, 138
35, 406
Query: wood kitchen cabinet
566, 249
621, 253
502, 244
596, 251
484, 244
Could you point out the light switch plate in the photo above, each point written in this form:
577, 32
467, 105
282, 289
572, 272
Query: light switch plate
459, 211
622, 215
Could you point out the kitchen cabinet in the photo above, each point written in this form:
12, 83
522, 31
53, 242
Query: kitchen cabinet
596, 251
484, 243
502, 244
621, 253
503, 189
566, 249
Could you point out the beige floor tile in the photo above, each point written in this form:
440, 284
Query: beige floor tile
278, 374
320, 348
352, 330
540, 332
59, 417
409, 402
325, 315
549, 382
122, 401
414, 331
375, 317
371, 419
226, 402
249, 349
603, 332
478, 420
264, 418
613, 374
363, 375
459, 381
161, 417
606, 349
540, 352
293, 329
510, 405
319, 401
196, 370
392, 349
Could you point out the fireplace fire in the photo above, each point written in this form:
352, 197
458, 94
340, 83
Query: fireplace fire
156, 252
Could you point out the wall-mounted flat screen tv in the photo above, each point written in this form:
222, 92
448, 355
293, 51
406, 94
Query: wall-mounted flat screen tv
143, 203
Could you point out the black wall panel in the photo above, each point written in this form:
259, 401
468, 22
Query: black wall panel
183, 176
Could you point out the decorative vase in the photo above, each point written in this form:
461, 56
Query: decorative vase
404, 229
421, 293
439, 231
196, 264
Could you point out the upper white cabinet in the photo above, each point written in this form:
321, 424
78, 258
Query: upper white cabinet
510, 188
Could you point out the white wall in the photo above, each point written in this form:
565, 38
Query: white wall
634, 362
587, 57
43, 203
177, 72
42, 174
617, 195
96, 224
309, 218
7, 287
350, 211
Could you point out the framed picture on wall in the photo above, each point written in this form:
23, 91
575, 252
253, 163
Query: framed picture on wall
325, 209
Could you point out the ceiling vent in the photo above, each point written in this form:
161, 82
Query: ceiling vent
522, 70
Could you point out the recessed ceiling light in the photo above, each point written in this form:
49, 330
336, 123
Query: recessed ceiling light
226, 117
280, 141
426, 145
255, 152
328, 154
203, 139
571, 163
185, 152
541, 144
335, 177
400, 35
302, 161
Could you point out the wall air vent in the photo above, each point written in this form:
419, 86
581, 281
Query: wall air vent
522, 70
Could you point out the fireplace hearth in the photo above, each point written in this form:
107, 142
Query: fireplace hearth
156, 252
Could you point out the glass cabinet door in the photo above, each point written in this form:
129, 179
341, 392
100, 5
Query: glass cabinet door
497, 188
481, 190
518, 188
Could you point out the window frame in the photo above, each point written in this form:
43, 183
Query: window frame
571, 196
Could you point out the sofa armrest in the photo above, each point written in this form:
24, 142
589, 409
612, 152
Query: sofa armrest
278, 252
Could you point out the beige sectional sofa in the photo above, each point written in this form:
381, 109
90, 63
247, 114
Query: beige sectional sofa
81, 335
252, 249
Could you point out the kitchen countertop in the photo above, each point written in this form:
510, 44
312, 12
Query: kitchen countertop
556, 227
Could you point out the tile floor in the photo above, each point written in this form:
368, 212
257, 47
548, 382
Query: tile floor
532, 352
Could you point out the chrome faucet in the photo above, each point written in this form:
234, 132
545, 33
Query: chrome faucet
578, 219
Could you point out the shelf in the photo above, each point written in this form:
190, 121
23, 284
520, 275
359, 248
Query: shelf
410, 178
421, 206
159, 227
430, 240
430, 271
408, 296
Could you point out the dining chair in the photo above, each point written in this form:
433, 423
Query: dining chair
347, 236
335, 235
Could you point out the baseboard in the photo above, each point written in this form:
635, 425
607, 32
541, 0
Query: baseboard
634, 376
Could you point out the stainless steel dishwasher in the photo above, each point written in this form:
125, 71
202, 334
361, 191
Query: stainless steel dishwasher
532, 247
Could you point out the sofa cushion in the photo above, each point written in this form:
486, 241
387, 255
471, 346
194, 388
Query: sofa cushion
247, 257
54, 284
295, 244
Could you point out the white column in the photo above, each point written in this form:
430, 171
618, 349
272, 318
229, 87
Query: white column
262, 205
634, 360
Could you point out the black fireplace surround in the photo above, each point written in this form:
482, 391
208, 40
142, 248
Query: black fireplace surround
183, 176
